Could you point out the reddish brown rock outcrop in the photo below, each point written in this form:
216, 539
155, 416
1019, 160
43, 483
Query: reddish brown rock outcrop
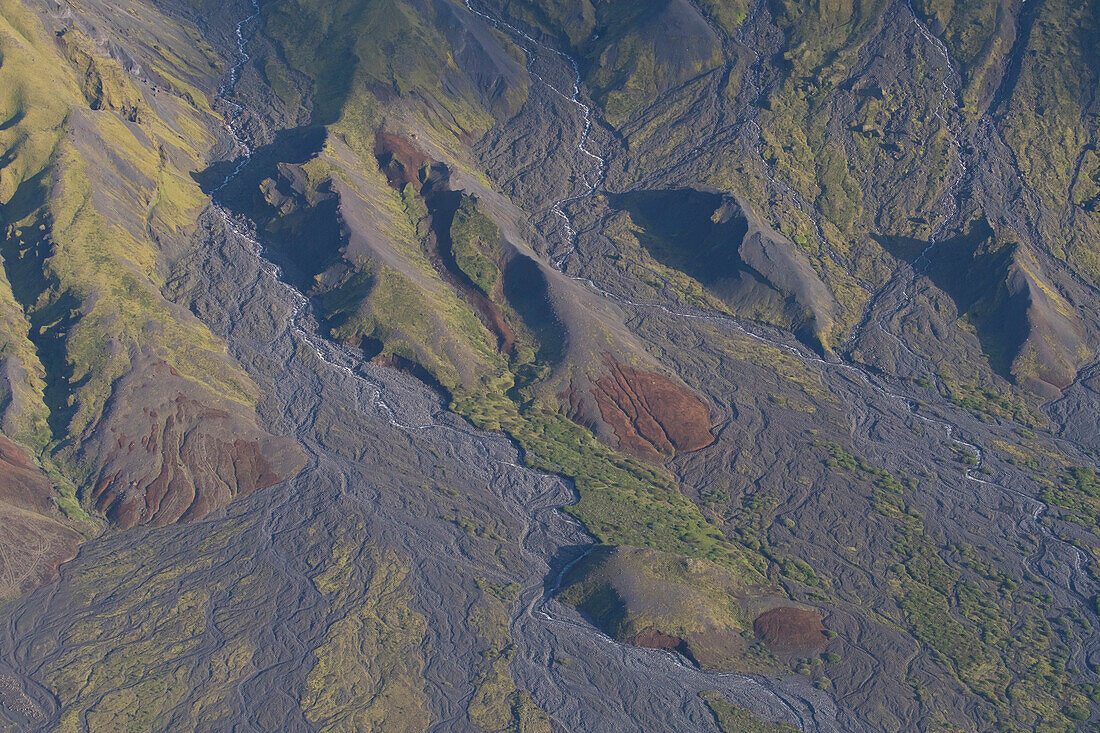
34, 537
651, 416
790, 630
399, 159
170, 452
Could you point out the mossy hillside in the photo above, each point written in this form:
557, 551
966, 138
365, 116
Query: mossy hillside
96, 262
571, 21
631, 51
894, 122
102, 81
728, 14
977, 36
823, 44
34, 96
23, 412
390, 299
1043, 125
628, 592
382, 310
478, 252
398, 51
475, 240
630, 63
402, 216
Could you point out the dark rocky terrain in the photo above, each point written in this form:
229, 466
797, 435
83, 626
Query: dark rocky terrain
539, 366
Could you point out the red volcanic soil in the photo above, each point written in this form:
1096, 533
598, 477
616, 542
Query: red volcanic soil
789, 629
167, 455
654, 639
652, 416
21, 482
399, 159
34, 540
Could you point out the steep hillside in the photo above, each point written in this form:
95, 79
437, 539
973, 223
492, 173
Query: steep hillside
35, 537
97, 198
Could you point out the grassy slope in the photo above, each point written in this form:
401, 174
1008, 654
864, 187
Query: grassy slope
95, 178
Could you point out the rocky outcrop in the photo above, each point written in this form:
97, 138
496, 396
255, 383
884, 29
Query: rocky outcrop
654, 639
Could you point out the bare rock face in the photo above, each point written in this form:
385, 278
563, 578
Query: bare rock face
34, 537
168, 453
651, 416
